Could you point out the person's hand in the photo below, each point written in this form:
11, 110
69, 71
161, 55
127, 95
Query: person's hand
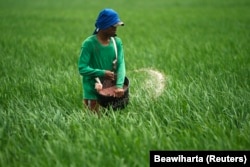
98, 86
109, 75
119, 92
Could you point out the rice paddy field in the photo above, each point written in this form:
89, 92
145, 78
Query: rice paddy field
188, 62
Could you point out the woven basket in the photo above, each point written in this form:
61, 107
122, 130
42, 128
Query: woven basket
106, 98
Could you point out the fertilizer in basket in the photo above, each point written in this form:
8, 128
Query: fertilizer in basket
106, 96
110, 91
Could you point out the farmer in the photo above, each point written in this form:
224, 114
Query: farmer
96, 58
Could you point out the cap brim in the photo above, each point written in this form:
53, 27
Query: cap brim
119, 24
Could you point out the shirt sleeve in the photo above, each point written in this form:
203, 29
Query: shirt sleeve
121, 69
84, 61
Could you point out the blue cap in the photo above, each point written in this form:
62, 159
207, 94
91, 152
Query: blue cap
107, 18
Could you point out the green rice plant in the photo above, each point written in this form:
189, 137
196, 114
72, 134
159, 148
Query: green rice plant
199, 48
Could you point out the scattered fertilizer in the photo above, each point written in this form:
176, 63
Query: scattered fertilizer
153, 84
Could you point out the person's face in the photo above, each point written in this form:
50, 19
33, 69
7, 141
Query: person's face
111, 31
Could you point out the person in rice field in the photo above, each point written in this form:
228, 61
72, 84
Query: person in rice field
97, 55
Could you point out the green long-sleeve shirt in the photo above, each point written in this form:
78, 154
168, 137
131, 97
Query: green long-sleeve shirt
94, 59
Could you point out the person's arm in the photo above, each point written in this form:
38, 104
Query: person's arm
121, 70
84, 61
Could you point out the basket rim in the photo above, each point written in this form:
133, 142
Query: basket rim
126, 85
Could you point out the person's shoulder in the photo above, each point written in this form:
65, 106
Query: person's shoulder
118, 40
89, 40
